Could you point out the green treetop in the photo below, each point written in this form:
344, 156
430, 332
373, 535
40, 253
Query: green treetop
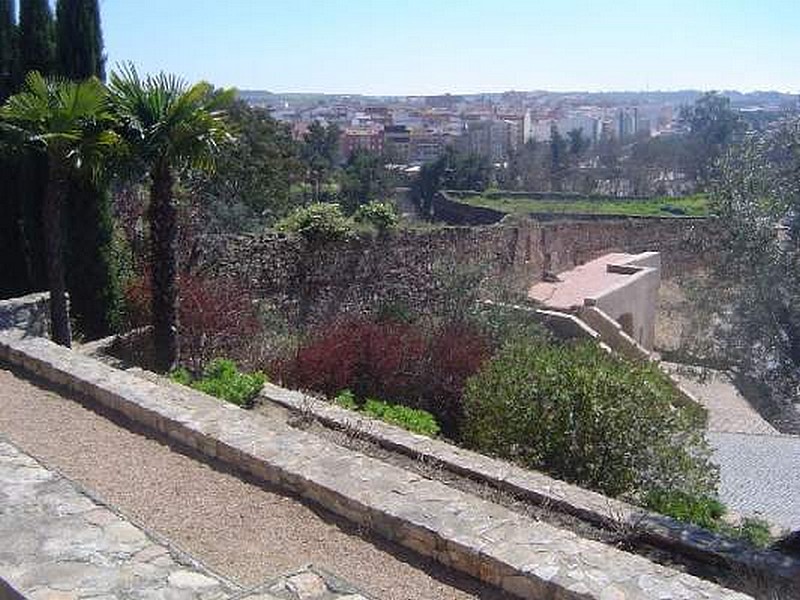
79, 40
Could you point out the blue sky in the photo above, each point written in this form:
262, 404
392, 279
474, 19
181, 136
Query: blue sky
459, 46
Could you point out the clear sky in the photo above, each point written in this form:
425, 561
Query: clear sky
459, 46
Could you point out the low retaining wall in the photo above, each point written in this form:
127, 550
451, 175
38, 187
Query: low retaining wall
28, 315
524, 557
659, 530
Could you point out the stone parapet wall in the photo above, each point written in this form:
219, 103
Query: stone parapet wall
312, 283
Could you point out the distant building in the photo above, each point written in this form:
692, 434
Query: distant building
492, 138
397, 144
365, 137
425, 146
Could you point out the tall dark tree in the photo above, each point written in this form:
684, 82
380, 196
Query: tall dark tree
36, 37
7, 50
251, 184
94, 290
558, 158
79, 40
364, 179
713, 125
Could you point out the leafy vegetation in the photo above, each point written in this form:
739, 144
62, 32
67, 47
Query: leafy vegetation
320, 222
708, 513
420, 365
222, 379
696, 205
702, 511
66, 125
585, 416
379, 215
168, 126
412, 419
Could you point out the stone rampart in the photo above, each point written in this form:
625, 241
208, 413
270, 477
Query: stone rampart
310, 282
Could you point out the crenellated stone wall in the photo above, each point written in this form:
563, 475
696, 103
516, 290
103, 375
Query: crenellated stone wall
311, 282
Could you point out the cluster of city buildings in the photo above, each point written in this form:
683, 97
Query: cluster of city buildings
417, 130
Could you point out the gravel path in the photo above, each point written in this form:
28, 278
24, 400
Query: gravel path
243, 531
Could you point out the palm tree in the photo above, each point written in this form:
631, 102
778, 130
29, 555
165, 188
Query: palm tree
68, 124
169, 126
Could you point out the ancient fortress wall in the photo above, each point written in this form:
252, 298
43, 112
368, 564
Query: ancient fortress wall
313, 282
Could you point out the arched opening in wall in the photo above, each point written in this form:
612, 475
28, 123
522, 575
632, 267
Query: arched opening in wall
626, 322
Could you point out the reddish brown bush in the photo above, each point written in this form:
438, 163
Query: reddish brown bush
397, 362
356, 354
216, 316
456, 353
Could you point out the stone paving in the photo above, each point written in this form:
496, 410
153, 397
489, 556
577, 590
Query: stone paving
759, 467
760, 475
728, 410
527, 558
60, 544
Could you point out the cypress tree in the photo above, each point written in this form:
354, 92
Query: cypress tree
36, 37
22, 247
92, 281
7, 35
79, 39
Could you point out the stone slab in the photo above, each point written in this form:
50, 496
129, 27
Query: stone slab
527, 558
59, 543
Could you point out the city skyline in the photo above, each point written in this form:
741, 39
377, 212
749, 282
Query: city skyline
378, 48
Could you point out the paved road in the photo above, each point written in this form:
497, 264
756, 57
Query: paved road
759, 467
760, 475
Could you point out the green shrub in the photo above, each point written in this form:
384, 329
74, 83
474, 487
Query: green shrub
755, 532
380, 215
346, 399
223, 380
318, 222
707, 512
701, 510
412, 419
585, 416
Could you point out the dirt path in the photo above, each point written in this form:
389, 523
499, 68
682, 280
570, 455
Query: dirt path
241, 530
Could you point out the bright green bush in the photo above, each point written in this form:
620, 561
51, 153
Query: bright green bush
411, 419
755, 532
585, 416
318, 222
707, 512
380, 215
223, 379
346, 399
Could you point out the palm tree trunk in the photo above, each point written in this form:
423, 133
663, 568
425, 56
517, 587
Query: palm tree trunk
51, 217
164, 301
